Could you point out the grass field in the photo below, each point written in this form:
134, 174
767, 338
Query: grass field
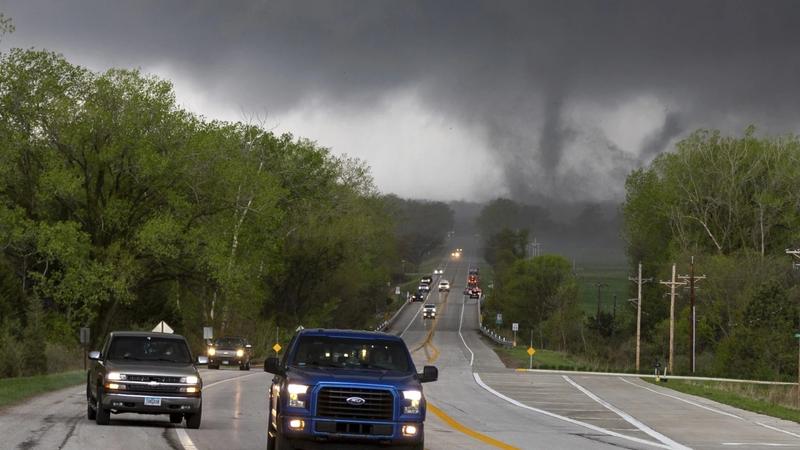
616, 279
775, 401
542, 359
15, 390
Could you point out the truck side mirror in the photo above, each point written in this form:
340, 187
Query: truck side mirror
94, 355
202, 360
272, 365
429, 373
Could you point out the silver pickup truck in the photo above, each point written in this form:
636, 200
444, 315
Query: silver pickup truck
145, 373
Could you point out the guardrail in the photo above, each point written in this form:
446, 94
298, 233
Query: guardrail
387, 323
501, 340
489, 333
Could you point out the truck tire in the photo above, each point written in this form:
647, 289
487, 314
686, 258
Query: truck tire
193, 419
91, 414
102, 415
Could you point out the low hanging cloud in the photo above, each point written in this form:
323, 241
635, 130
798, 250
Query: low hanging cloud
482, 98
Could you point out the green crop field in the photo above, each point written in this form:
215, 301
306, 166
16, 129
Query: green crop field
615, 277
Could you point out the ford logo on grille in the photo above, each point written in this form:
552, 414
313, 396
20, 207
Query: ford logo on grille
355, 401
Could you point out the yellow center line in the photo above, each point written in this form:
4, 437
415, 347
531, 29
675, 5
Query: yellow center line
468, 431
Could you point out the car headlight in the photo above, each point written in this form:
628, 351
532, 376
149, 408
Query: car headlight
116, 376
297, 395
212, 351
191, 379
412, 401
240, 353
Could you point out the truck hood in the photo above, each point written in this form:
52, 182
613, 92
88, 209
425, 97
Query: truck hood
315, 375
151, 368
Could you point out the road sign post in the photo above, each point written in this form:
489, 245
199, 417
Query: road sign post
499, 320
85, 335
515, 328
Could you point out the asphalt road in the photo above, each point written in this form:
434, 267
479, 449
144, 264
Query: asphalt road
476, 404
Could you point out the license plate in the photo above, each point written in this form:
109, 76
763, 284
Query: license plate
225, 363
152, 401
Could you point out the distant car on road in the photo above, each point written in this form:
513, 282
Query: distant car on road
444, 286
418, 297
426, 280
144, 373
438, 272
429, 311
424, 287
346, 389
475, 292
230, 351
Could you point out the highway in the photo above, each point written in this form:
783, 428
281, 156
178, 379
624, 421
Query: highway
476, 404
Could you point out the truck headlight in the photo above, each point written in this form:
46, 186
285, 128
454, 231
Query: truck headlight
191, 379
116, 376
239, 353
212, 351
411, 402
297, 395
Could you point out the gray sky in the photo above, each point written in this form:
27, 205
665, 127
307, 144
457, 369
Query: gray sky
460, 99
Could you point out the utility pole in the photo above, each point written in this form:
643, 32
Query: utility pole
599, 285
672, 284
639, 281
692, 313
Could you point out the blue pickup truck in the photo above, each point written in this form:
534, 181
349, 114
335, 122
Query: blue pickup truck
346, 389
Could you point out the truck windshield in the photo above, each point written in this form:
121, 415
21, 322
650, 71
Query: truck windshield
146, 348
321, 351
229, 343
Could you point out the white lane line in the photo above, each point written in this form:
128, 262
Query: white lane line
628, 418
185, 440
778, 429
707, 408
461, 322
568, 419
183, 436
758, 444
413, 319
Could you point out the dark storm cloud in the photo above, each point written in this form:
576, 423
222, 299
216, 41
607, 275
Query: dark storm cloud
513, 69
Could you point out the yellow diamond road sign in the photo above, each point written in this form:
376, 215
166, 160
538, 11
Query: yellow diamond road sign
277, 348
531, 351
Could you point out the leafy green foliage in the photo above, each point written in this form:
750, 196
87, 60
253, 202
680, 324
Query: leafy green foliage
119, 209
731, 202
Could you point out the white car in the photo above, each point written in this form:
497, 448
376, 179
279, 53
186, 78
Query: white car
444, 286
429, 311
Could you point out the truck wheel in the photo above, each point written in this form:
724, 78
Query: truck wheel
102, 415
193, 419
175, 418
91, 414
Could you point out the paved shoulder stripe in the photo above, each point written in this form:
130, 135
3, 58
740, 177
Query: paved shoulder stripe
567, 419
708, 408
628, 418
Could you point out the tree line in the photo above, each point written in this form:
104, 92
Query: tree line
732, 203
118, 208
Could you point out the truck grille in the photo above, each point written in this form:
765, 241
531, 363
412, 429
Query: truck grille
378, 403
153, 390
156, 378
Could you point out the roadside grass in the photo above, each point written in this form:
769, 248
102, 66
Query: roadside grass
517, 357
776, 401
14, 390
